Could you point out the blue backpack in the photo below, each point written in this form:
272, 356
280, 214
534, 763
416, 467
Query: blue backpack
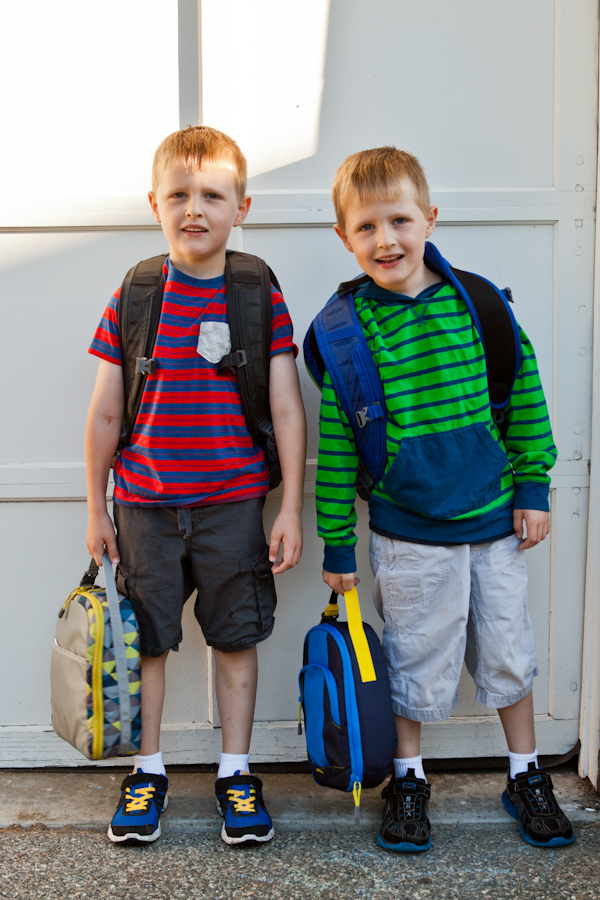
345, 695
336, 342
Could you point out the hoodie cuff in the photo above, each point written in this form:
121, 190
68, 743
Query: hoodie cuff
339, 560
531, 495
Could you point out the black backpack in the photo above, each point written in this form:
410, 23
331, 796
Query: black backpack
249, 311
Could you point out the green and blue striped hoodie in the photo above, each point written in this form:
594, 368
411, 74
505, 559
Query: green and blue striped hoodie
450, 479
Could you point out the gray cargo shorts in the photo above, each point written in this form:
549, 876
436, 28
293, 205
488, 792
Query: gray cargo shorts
218, 549
445, 604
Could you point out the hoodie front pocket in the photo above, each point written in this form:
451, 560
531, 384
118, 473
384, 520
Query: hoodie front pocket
446, 474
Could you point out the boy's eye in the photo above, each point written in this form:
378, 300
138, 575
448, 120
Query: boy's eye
400, 220
179, 194
210, 195
366, 227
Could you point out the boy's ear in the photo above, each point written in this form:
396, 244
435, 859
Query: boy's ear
154, 206
242, 212
343, 238
431, 220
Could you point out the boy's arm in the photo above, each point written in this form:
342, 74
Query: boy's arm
102, 431
531, 450
289, 426
336, 492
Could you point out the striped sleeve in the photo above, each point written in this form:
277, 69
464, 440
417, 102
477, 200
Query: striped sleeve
529, 441
106, 339
336, 484
282, 331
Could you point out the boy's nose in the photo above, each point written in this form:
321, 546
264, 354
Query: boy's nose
385, 238
194, 208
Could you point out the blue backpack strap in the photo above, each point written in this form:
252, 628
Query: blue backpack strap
336, 342
490, 310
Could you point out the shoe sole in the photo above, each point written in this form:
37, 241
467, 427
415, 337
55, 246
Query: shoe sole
553, 842
245, 839
133, 838
404, 846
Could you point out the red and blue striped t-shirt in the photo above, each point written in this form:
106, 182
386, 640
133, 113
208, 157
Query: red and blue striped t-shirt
190, 444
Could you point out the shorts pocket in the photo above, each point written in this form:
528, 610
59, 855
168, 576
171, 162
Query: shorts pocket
264, 586
414, 576
446, 474
125, 579
401, 587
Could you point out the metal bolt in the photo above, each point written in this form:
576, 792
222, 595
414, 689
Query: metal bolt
578, 188
578, 251
579, 161
577, 454
578, 223
578, 429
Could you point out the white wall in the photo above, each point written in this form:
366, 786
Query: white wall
499, 102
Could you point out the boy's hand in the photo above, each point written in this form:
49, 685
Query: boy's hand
287, 530
537, 525
101, 532
340, 583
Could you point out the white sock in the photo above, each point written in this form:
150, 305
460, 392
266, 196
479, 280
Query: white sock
401, 766
519, 762
152, 765
230, 763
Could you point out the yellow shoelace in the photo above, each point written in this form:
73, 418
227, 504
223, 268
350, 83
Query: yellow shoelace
140, 800
241, 802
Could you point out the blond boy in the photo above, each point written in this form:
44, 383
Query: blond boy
456, 508
190, 487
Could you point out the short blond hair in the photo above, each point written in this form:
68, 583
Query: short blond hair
379, 174
198, 144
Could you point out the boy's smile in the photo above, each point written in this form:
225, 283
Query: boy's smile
388, 239
197, 209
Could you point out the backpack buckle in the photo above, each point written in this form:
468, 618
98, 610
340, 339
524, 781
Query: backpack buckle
233, 360
364, 483
266, 429
367, 414
145, 366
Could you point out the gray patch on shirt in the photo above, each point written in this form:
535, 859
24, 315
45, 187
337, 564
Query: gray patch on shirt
214, 341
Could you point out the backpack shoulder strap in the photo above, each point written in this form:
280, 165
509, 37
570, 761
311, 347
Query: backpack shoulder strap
490, 308
250, 314
499, 334
312, 355
138, 315
336, 342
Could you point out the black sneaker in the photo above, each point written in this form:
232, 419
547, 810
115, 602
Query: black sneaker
137, 817
529, 799
405, 825
240, 802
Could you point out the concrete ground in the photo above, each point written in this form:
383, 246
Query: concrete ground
53, 843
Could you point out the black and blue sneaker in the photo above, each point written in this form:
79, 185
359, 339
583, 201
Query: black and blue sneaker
137, 817
240, 802
405, 826
530, 800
